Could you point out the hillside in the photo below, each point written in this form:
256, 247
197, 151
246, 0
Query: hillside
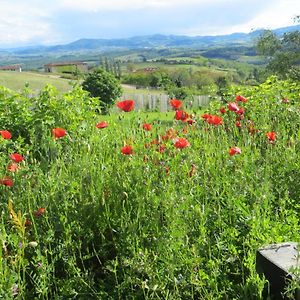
151, 41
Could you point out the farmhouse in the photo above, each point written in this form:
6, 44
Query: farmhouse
66, 67
15, 68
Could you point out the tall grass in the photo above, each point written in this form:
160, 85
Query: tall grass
173, 224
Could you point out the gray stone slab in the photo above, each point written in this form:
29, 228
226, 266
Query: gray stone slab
279, 263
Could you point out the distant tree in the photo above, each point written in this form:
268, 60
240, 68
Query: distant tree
103, 85
282, 53
222, 86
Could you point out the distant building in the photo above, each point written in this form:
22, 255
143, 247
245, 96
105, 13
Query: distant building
14, 68
66, 67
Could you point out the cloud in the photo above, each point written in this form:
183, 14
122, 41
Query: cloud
62, 21
117, 5
22, 23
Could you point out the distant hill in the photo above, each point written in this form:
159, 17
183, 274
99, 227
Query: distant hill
150, 41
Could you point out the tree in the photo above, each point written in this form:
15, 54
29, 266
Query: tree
103, 85
282, 53
222, 85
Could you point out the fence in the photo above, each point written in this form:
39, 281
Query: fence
160, 102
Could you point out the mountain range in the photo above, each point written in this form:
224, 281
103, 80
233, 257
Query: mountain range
150, 41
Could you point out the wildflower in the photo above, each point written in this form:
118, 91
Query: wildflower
191, 121
15, 289
102, 125
167, 170
127, 150
58, 132
206, 116
7, 181
16, 157
27, 223
33, 244
215, 120
147, 127
234, 150
240, 111
181, 115
285, 100
271, 136
39, 212
170, 134
126, 105
161, 148
13, 167
181, 143
232, 106
176, 104
238, 124
222, 110
192, 171
5, 134
240, 98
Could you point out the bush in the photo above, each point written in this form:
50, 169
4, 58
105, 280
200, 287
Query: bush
104, 86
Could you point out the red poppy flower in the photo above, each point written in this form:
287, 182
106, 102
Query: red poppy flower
240, 98
240, 111
176, 104
127, 150
234, 150
222, 110
215, 120
13, 167
58, 132
16, 157
232, 106
5, 134
191, 121
102, 125
7, 181
238, 124
181, 115
206, 116
181, 143
147, 127
126, 105
39, 212
271, 136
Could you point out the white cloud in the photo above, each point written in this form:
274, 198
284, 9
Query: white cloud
278, 14
114, 5
22, 23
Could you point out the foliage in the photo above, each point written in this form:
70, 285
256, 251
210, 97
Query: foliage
283, 53
160, 223
104, 86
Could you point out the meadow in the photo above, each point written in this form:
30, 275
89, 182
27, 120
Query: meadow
34, 80
142, 205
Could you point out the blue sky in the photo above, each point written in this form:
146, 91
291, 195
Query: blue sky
62, 21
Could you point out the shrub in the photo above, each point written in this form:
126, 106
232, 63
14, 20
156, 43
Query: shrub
104, 86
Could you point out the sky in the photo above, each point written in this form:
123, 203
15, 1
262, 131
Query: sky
40, 22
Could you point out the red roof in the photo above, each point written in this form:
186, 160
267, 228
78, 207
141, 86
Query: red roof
66, 63
12, 67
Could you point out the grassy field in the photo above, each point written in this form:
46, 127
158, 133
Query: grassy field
36, 81
17, 81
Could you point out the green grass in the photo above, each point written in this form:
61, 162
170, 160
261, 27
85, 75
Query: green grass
36, 81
